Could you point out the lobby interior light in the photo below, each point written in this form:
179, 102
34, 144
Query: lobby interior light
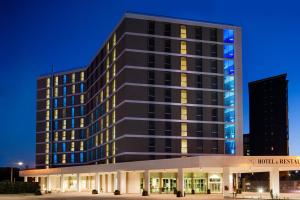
260, 190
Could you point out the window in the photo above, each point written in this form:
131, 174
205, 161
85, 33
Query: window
72, 158
47, 93
73, 89
81, 122
82, 98
167, 45
81, 87
73, 78
65, 90
214, 82
65, 79
214, 66
198, 33
199, 114
56, 80
214, 148
151, 77
199, 81
81, 157
168, 96
151, 110
184, 129
72, 135
64, 124
168, 112
64, 147
56, 92
81, 146
183, 80
199, 130
151, 44
114, 39
213, 50
228, 36
151, 27
167, 78
182, 31
63, 160
55, 114
214, 114
214, 130
199, 97
198, 49
151, 60
63, 135
167, 31
168, 62
183, 113
183, 47
183, 96
183, 64
168, 128
199, 146
48, 83
151, 94
198, 65
214, 98
213, 34
183, 146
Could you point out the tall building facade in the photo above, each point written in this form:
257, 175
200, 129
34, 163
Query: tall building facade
268, 99
158, 88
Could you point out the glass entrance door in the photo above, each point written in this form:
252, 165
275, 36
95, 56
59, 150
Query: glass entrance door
200, 185
188, 185
215, 185
169, 184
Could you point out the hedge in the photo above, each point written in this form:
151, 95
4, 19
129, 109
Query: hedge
19, 187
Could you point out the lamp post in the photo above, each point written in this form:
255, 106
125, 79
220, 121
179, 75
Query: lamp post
12, 170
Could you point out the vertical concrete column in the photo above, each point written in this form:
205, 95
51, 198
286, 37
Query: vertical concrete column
274, 181
180, 180
97, 182
62, 189
78, 182
25, 179
36, 179
147, 181
48, 183
227, 182
121, 182
103, 184
109, 183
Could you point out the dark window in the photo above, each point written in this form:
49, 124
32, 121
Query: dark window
151, 27
199, 97
199, 114
168, 145
151, 94
198, 50
199, 81
213, 34
168, 97
151, 77
151, 110
214, 130
213, 50
214, 98
151, 60
214, 66
199, 130
168, 112
214, 82
151, 44
167, 78
167, 31
168, 127
214, 148
168, 62
199, 146
214, 114
167, 45
198, 33
198, 66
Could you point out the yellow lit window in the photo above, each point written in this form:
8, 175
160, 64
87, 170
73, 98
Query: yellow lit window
55, 114
81, 146
48, 104
64, 135
183, 31
107, 151
107, 91
48, 82
183, 80
72, 135
47, 159
56, 92
73, 78
107, 47
114, 132
114, 54
114, 70
113, 148
101, 96
183, 47
107, 106
73, 89
63, 160
82, 76
114, 117
96, 140
72, 146
47, 115
183, 65
183, 146
56, 136
47, 137
183, 96
81, 122
47, 126
114, 101
107, 63
183, 129
47, 148
64, 126
114, 85
102, 123
56, 80
82, 98
101, 138
114, 40
183, 113
107, 121
107, 76
47, 93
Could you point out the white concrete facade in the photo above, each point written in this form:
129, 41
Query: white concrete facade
163, 176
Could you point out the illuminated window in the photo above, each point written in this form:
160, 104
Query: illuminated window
56, 136
114, 132
96, 140
107, 120
114, 117
56, 92
47, 148
82, 98
63, 135
73, 89
183, 129
73, 78
72, 135
107, 47
47, 137
47, 126
47, 93
82, 76
47, 115
48, 82
183, 64
114, 86
114, 101
81, 146
107, 63
107, 106
101, 96
183, 146
81, 122
64, 126
107, 91
183, 80
48, 104
183, 96
114, 70
47, 160
182, 31
183, 47
72, 146
114, 39
55, 114
56, 81
183, 113
107, 76
114, 54
63, 160
101, 138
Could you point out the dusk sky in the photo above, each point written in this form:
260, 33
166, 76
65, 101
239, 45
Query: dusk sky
35, 34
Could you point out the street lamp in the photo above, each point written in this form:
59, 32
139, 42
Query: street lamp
12, 170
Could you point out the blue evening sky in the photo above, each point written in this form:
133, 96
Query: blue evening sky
35, 34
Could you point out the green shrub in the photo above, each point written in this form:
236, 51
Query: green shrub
18, 187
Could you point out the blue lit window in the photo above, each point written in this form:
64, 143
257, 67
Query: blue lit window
228, 36
55, 125
228, 67
81, 157
229, 83
82, 134
55, 147
229, 115
230, 147
229, 131
73, 100
63, 147
228, 51
55, 103
73, 111
73, 123
81, 110
65, 79
55, 159
229, 98
72, 158
65, 90
81, 87
65, 101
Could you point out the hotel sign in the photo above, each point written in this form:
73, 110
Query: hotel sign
276, 161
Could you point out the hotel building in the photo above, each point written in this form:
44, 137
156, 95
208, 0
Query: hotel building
159, 108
